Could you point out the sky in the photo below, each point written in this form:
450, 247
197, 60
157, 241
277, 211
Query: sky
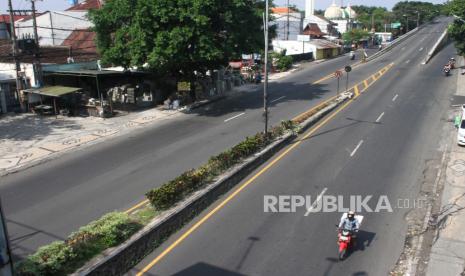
58, 5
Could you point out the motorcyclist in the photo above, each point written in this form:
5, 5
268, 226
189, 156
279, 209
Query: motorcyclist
349, 222
452, 62
352, 55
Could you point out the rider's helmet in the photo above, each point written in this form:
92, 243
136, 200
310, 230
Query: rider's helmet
351, 215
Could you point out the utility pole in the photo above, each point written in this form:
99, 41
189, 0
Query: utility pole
265, 85
287, 30
418, 19
37, 65
15, 52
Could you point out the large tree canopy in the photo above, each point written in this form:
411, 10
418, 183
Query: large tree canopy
177, 36
456, 8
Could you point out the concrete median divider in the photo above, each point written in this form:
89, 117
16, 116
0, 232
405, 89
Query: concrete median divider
437, 46
118, 260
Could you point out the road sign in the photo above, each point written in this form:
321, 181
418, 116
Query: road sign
303, 38
338, 73
395, 25
348, 68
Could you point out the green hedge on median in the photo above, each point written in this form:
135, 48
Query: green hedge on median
64, 257
174, 190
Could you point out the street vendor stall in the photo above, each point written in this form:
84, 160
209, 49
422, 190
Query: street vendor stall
43, 100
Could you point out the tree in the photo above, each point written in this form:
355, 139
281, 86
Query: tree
355, 35
177, 37
410, 11
372, 16
456, 8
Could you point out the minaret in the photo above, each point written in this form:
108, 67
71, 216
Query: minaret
309, 9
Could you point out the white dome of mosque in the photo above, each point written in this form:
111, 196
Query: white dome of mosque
350, 12
333, 12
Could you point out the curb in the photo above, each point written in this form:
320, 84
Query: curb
118, 260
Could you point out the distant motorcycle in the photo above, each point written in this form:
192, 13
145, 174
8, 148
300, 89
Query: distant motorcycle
452, 63
446, 70
352, 55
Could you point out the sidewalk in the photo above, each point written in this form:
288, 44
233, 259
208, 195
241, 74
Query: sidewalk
447, 255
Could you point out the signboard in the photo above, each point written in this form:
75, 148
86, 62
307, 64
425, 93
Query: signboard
348, 68
5, 258
184, 86
338, 73
303, 38
396, 25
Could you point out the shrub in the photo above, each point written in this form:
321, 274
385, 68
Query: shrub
284, 63
63, 257
174, 190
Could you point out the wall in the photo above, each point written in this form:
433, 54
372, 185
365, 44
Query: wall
66, 21
292, 47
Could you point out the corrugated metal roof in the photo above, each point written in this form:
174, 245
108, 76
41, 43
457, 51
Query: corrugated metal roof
86, 5
281, 10
81, 40
53, 91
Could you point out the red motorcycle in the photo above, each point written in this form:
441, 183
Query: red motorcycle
345, 241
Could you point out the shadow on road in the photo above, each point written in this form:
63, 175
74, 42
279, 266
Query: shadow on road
293, 91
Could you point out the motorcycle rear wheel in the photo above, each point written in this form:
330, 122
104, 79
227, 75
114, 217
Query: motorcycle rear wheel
342, 254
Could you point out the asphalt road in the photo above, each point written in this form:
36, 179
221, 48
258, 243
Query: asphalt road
49, 201
377, 145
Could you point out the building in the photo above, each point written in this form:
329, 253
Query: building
288, 23
344, 18
320, 48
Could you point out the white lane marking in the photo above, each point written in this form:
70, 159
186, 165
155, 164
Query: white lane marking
275, 100
315, 203
356, 148
395, 97
407, 61
421, 49
379, 117
234, 117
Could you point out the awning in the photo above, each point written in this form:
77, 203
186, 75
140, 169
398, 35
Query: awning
53, 91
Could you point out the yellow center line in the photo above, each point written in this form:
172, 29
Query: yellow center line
356, 90
365, 83
242, 187
138, 205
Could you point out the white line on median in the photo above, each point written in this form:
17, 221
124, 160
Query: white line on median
379, 118
275, 100
421, 49
315, 203
395, 97
234, 117
407, 61
356, 148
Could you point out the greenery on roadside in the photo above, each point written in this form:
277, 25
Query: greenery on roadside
173, 191
456, 8
64, 257
177, 37
281, 61
355, 35
380, 18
